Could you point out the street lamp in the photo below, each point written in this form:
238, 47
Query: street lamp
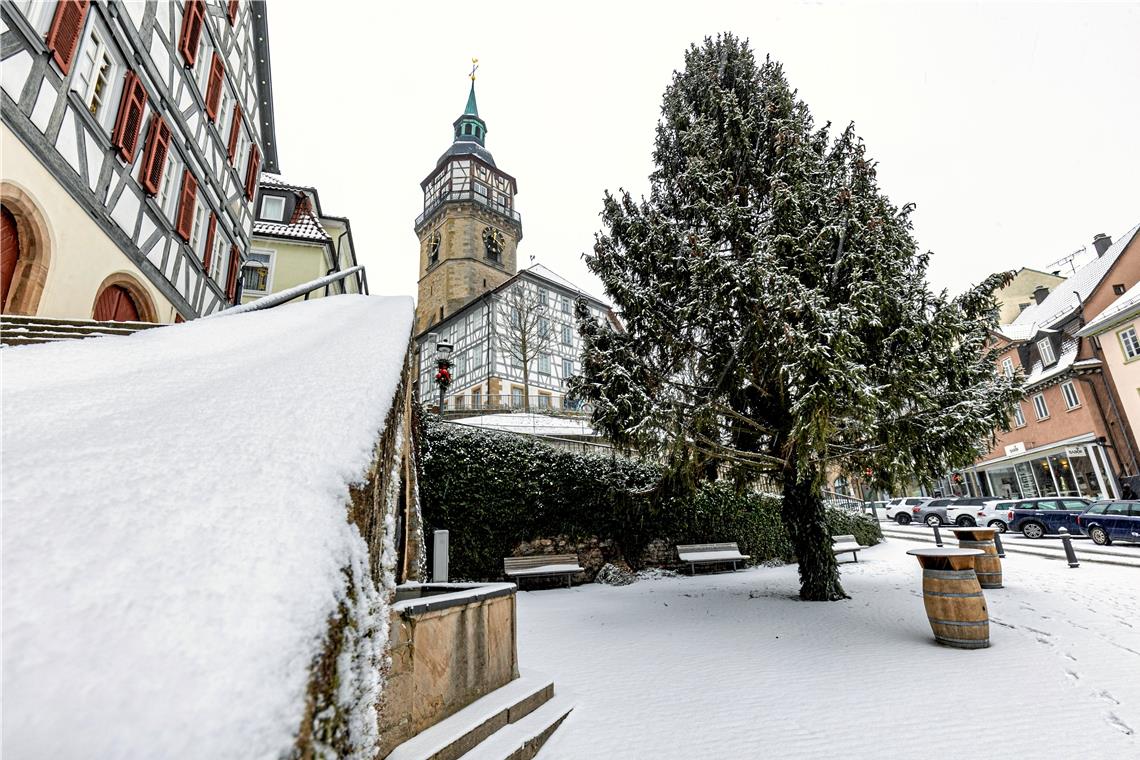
443, 368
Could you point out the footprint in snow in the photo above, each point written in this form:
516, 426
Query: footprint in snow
1108, 697
1119, 725
1002, 624
1072, 675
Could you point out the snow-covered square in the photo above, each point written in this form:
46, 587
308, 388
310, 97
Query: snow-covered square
734, 665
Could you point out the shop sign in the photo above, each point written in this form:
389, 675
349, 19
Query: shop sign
1015, 448
1076, 451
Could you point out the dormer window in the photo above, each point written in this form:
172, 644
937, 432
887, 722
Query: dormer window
273, 208
1045, 349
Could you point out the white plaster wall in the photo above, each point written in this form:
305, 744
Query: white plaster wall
1125, 374
82, 256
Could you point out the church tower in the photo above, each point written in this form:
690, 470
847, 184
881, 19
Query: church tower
469, 230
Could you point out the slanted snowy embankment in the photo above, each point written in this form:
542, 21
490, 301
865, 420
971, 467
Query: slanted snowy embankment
175, 532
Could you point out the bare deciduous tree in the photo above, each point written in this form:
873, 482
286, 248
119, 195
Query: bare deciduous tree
526, 331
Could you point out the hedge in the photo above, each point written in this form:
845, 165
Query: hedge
493, 491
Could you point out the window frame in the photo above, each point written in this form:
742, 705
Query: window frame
1018, 416
199, 224
1007, 367
1045, 346
108, 98
1040, 404
167, 197
1069, 388
269, 271
262, 213
1124, 343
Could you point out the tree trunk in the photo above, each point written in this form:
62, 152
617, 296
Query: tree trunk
806, 521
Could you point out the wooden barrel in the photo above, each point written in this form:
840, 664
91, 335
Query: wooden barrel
956, 608
988, 566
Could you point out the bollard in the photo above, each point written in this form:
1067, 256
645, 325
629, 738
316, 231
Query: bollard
997, 544
1068, 542
937, 536
439, 557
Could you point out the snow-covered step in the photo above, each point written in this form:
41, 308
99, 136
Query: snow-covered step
452, 737
523, 740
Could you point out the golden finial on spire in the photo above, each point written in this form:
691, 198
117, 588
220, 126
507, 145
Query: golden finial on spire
474, 68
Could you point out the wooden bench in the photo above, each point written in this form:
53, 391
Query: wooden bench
844, 544
709, 554
517, 568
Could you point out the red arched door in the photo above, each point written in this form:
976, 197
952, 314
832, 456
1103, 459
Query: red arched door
115, 303
9, 252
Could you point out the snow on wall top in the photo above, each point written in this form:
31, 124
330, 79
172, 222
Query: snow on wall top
1118, 309
174, 525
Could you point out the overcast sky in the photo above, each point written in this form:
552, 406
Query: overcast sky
1014, 128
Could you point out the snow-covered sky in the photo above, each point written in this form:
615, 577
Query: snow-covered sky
1013, 127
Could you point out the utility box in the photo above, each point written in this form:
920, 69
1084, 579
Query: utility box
439, 557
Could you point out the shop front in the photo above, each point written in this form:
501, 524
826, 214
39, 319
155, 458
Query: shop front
1076, 467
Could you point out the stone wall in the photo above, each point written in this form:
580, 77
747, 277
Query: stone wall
593, 553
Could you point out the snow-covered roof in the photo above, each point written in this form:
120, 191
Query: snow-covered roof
1066, 360
1062, 301
535, 424
547, 273
175, 525
1127, 305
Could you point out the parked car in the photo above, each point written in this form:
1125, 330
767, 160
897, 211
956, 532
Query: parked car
995, 513
899, 509
873, 507
1037, 517
965, 512
933, 512
1108, 521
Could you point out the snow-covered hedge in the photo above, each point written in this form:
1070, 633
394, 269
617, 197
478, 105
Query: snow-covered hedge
495, 490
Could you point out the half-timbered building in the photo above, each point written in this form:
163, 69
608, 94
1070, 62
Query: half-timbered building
134, 136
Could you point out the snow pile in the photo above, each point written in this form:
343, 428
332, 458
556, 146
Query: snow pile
534, 424
175, 534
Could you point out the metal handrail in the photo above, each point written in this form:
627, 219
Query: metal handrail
468, 195
304, 289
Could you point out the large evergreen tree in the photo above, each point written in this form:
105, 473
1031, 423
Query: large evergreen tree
778, 318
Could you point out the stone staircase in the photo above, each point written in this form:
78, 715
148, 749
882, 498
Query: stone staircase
18, 330
510, 723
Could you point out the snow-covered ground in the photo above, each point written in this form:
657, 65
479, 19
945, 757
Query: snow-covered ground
175, 533
733, 665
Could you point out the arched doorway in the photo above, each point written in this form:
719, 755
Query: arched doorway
116, 304
122, 299
9, 251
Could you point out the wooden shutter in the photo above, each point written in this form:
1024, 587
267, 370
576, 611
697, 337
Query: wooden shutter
128, 124
214, 88
66, 28
209, 252
186, 205
252, 168
235, 131
154, 155
193, 16
231, 277
231, 11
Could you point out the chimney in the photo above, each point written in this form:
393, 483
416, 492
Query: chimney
1101, 242
1040, 293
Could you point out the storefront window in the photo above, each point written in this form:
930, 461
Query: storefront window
1004, 482
1063, 473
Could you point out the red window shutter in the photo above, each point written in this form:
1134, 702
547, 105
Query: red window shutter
154, 155
186, 205
209, 252
252, 168
128, 123
231, 11
66, 28
231, 277
235, 130
214, 88
193, 16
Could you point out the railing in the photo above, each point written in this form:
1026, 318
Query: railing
285, 296
465, 404
468, 195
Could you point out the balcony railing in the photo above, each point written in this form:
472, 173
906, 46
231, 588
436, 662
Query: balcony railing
466, 404
469, 196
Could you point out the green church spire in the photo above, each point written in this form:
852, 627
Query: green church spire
472, 108
469, 127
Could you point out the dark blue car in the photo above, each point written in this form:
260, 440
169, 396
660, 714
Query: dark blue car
1108, 521
1036, 517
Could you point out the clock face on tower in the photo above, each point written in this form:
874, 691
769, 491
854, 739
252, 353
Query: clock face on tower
493, 244
433, 248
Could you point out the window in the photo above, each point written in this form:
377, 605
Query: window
460, 401
543, 327
97, 76
543, 401
256, 279
1129, 342
516, 396
1007, 367
202, 61
567, 369
567, 336
477, 398
199, 227
219, 258
544, 364
1040, 407
542, 297
433, 248
1119, 288
493, 244
566, 305
1045, 348
1018, 416
273, 208
1069, 391
1117, 508
166, 197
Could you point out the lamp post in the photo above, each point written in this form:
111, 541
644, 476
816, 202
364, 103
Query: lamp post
443, 368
